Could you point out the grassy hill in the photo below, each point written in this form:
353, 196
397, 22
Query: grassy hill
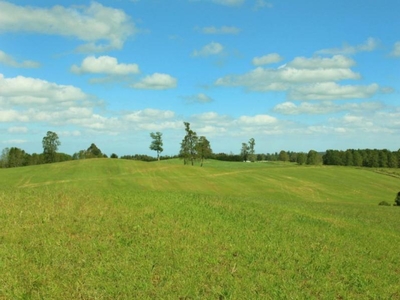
118, 229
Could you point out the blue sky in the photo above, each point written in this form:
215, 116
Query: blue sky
293, 75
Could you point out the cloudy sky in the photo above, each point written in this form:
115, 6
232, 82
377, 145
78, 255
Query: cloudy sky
293, 75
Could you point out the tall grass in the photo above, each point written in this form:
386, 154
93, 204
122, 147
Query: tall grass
113, 229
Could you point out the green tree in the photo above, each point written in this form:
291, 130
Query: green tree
301, 158
50, 146
93, 152
357, 158
188, 146
244, 152
283, 156
313, 158
4, 158
203, 149
252, 156
156, 143
17, 157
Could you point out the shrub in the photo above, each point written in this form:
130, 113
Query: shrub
397, 200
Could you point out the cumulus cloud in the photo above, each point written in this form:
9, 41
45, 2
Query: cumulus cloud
332, 91
336, 62
102, 28
104, 65
24, 91
267, 59
156, 81
325, 107
220, 30
199, 98
210, 49
152, 119
280, 79
304, 79
257, 120
396, 49
10, 61
17, 129
369, 45
149, 114
12, 115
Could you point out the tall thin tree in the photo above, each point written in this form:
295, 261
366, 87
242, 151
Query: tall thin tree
156, 143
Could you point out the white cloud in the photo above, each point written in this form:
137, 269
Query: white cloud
11, 115
10, 61
332, 91
210, 49
22, 90
325, 107
17, 129
336, 62
151, 119
156, 81
199, 98
261, 79
221, 30
8, 142
396, 49
104, 65
149, 114
304, 79
257, 120
267, 59
369, 45
93, 24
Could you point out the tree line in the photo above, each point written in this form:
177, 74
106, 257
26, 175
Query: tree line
194, 148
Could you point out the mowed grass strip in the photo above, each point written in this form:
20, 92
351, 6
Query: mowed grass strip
113, 229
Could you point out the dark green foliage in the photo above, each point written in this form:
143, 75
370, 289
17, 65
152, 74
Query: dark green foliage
50, 146
301, 158
188, 150
203, 149
227, 157
372, 158
283, 156
156, 143
113, 155
313, 158
397, 200
92, 152
244, 152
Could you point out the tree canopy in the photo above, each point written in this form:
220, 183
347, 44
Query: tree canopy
50, 146
188, 145
156, 143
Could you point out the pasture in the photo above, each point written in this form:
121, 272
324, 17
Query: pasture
118, 229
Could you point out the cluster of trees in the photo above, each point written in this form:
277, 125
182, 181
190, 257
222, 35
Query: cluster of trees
247, 152
193, 147
92, 152
16, 157
372, 158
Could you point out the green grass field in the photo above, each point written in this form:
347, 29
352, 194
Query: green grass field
118, 229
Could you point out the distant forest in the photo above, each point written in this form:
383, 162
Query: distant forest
374, 158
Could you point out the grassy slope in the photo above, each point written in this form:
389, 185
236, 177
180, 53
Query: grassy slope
117, 229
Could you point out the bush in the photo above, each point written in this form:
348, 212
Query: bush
397, 200
384, 203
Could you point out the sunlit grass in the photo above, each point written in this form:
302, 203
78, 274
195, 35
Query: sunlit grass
114, 229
